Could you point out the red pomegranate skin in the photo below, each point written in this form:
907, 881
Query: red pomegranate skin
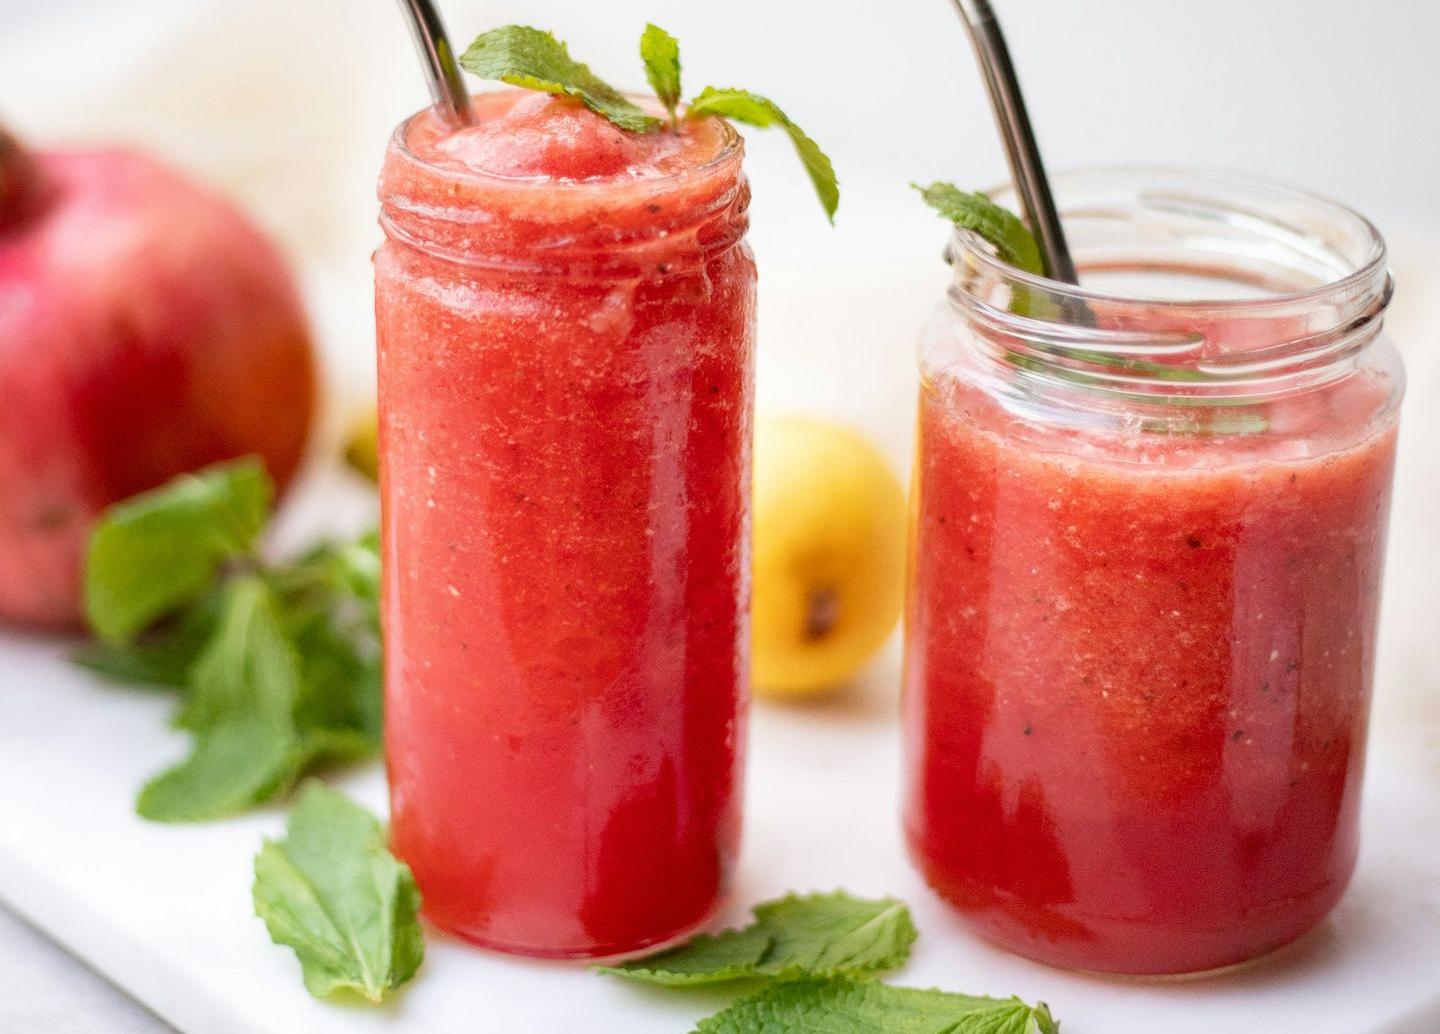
147, 328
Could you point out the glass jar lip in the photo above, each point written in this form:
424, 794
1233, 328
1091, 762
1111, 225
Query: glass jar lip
1369, 268
605, 228
731, 149
1319, 267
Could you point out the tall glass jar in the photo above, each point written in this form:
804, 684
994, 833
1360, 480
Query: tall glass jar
1149, 526
566, 366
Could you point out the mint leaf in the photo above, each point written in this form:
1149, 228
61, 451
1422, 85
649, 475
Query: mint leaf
161, 657
340, 684
536, 60
332, 608
289, 680
706, 959
1012, 239
157, 664
834, 933
332, 891
841, 1006
280, 664
242, 695
163, 548
248, 666
755, 110
792, 937
661, 53
235, 764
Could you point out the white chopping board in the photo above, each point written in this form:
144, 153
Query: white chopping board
165, 911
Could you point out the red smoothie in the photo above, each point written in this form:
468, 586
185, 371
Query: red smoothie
566, 327
1138, 664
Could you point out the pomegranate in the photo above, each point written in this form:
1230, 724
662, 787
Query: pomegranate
147, 328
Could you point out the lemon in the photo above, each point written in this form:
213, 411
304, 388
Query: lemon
362, 444
829, 555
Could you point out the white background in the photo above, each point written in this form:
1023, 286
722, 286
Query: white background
1336, 94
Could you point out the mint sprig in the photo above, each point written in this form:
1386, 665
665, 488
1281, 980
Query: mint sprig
535, 60
331, 890
278, 664
854, 1006
1011, 238
242, 691
331, 598
817, 955
791, 938
661, 53
755, 110
160, 658
161, 549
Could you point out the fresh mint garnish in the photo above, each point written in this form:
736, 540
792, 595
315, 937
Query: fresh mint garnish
816, 954
157, 663
853, 1007
661, 53
331, 598
278, 664
242, 692
1012, 239
791, 938
755, 110
331, 890
159, 550
536, 60
161, 657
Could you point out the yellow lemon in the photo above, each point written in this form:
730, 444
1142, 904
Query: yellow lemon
362, 445
829, 548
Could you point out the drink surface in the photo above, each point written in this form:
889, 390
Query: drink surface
566, 326
547, 139
1138, 673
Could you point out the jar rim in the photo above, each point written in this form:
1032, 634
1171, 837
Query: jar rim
1369, 267
607, 228
1202, 227
732, 147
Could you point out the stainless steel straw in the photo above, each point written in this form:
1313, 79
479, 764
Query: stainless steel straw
1021, 150
442, 71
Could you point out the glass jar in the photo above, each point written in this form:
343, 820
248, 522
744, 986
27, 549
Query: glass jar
566, 385
1149, 520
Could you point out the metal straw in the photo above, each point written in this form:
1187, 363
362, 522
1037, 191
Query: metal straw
1021, 149
442, 72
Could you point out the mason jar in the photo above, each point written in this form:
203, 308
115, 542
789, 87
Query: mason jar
566, 324
1149, 520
